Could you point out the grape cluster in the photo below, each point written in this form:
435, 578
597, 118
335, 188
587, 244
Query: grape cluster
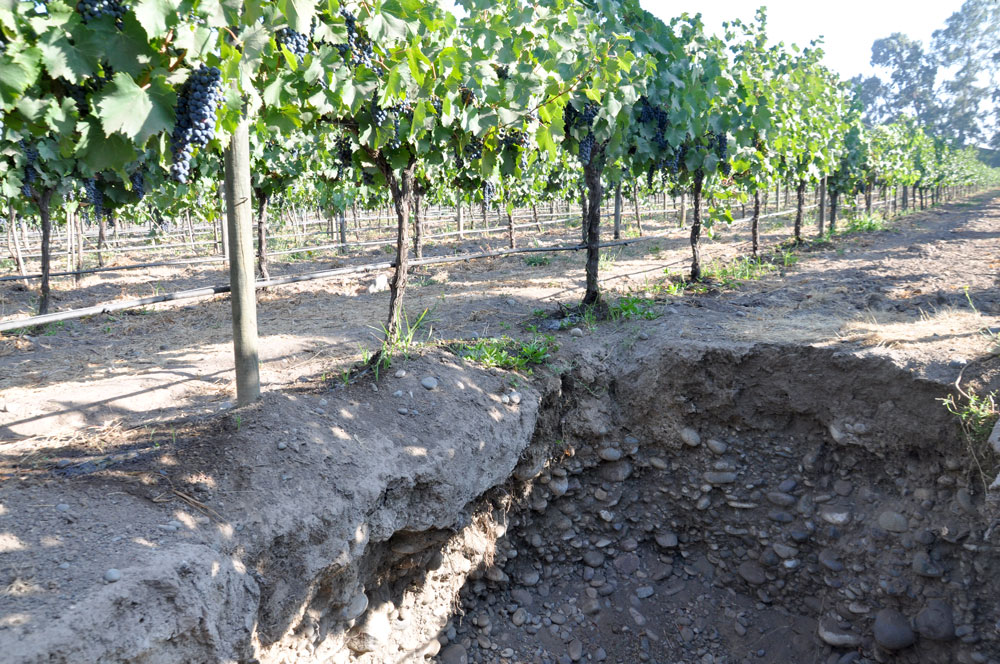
489, 192
503, 72
91, 10
379, 114
437, 104
30, 174
368, 178
583, 119
467, 96
658, 118
586, 148
138, 184
94, 196
473, 149
79, 93
195, 127
720, 142
359, 48
513, 138
344, 152
296, 42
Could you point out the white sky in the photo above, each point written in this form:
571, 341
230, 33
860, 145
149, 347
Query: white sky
848, 27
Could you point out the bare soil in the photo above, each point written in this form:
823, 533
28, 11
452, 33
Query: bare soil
905, 292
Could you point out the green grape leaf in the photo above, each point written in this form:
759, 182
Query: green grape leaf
155, 15
123, 107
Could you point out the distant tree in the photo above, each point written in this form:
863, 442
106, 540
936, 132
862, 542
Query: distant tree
970, 44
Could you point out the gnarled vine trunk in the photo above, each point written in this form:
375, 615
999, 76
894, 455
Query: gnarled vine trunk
402, 190
755, 224
262, 199
800, 206
592, 228
44, 198
418, 224
699, 180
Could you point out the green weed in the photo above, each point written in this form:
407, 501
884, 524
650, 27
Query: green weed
863, 223
507, 353
629, 308
537, 260
607, 260
977, 415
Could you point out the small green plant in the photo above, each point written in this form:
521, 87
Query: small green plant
507, 353
537, 260
789, 258
404, 341
864, 223
733, 273
607, 260
538, 313
345, 377
54, 328
675, 288
629, 308
504, 325
977, 416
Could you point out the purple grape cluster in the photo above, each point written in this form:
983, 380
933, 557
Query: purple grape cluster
358, 48
513, 138
30, 174
720, 143
138, 184
489, 192
586, 148
195, 127
296, 42
91, 10
473, 149
94, 196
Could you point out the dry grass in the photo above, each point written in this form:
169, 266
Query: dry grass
961, 328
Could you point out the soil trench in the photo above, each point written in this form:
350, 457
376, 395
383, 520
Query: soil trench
681, 503
725, 507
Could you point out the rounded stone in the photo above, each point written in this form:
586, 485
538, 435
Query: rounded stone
454, 654
112, 575
892, 630
717, 446
576, 332
610, 454
593, 558
832, 634
752, 573
428, 382
894, 522
667, 539
936, 621
690, 437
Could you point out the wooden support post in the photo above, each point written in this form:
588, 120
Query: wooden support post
239, 217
